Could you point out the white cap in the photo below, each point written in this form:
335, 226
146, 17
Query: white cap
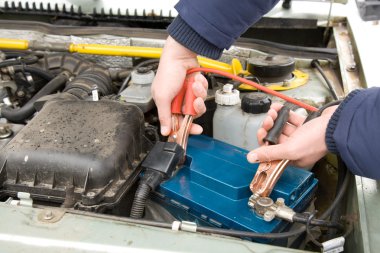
142, 78
227, 95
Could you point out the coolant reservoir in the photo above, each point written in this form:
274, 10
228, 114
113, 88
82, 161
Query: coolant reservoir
237, 122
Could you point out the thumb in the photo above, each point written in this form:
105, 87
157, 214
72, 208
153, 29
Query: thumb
268, 153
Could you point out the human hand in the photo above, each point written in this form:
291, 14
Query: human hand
174, 63
302, 144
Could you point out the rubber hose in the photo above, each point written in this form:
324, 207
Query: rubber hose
83, 84
36, 71
336, 213
18, 61
315, 64
21, 114
139, 202
317, 222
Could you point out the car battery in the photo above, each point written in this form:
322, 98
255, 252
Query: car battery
212, 188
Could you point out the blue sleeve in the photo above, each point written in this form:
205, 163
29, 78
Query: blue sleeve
353, 132
209, 26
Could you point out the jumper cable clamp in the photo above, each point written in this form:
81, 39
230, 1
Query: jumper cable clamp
183, 114
268, 173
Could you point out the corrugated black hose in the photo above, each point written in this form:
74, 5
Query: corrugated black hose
158, 166
141, 196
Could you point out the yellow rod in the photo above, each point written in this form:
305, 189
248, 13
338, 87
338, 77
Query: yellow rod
127, 51
209, 63
13, 44
144, 52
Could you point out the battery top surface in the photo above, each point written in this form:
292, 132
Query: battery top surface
213, 186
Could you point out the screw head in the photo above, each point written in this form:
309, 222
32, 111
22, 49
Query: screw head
280, 202
48, 215
5, 132
351, 68
268, 216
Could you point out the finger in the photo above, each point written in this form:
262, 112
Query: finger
261, 133
296, 119
196, 129
199, 107
268, 153
200, 78
282, 138
276, 106
199, 90
288, 129
164, 115
273, 114
268, 123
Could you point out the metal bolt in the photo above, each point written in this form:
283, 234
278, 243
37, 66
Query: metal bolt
268, 216
351, 68
48, 215
265, 202
5, 132
280, 202
91, 194
20, 93
285, 83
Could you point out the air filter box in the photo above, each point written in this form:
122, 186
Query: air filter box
213, 188
82, 152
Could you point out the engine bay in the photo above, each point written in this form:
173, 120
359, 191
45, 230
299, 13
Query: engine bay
78, 123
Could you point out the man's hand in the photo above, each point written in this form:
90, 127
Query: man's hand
171, 73
302, 144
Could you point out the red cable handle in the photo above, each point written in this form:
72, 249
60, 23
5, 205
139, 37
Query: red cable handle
186, 93
256, 85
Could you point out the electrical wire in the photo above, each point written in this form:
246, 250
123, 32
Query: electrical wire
315, 64
308, 232
255, 85
301, 218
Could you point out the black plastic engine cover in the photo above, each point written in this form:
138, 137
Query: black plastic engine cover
80, 150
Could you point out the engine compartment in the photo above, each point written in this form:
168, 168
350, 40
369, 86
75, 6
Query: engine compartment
81, 145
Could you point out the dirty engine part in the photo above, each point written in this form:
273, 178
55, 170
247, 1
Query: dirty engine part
67, 152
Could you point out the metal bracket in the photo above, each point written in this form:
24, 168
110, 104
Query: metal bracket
335, 245
25, 200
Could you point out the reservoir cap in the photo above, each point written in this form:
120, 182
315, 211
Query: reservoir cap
255, 103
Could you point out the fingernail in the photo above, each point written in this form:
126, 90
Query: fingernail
165, 130
253, 158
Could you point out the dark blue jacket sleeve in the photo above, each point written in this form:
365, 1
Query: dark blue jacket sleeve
353, 132
209, 26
